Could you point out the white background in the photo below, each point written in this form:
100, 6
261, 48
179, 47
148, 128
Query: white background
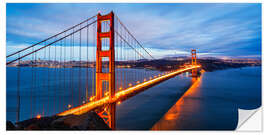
265, 72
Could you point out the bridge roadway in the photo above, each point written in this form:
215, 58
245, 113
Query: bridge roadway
122, 95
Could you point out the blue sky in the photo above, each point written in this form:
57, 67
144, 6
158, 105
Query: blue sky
232, 30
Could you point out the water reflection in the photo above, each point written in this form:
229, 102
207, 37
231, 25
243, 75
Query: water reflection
170, 120
212, 103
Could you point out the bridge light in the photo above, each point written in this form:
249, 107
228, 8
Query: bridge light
150, 78
119, 102
38, 116
69, 105
83, 102
138, 81
130, 84
92, 98
120, 88
144, 79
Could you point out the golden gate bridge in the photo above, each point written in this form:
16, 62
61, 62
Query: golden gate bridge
101, 48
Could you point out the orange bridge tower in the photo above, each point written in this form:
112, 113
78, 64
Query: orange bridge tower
108, 112
194, 62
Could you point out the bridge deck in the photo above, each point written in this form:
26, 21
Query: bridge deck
122, 95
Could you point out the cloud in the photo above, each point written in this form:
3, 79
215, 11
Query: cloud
224, 29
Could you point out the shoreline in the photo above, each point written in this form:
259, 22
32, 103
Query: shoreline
207, 69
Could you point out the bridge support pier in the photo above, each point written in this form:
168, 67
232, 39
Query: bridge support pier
108, 77
112, 109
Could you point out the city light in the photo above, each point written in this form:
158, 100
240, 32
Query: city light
38, 116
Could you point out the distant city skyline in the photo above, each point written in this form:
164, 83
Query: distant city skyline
223, 30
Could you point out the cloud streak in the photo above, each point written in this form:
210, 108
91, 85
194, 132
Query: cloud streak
221, 29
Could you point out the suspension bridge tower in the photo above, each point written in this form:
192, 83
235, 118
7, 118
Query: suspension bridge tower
108, 112
194, 62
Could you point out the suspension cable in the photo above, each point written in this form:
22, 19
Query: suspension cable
50, 43
133, 36
51, 36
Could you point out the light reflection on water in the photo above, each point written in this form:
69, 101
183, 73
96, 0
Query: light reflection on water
169, 120
140, 112
212, 103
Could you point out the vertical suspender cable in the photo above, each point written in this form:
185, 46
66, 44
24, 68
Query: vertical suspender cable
44, 80
87, 63
55, 81
72, 71
32, 85
44, 86
93, 68
80, 69
121, 58
60, 75
49, 65
64, 68
18, 91
35, 82
34, 76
